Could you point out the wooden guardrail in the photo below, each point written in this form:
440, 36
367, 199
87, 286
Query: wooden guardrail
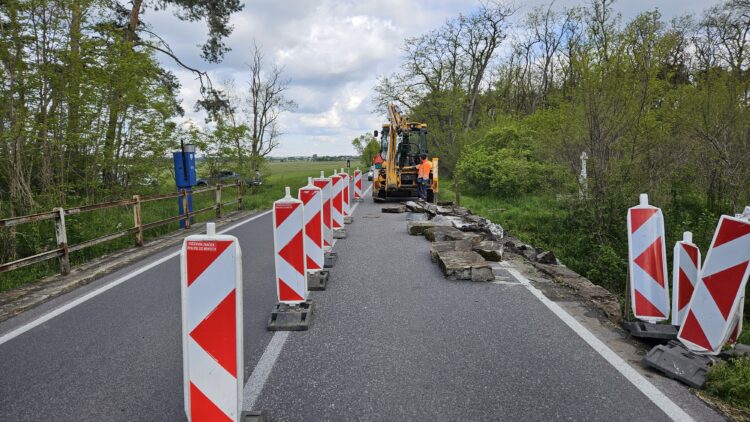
63, 250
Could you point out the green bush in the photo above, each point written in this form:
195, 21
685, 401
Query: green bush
730, 381
502, 162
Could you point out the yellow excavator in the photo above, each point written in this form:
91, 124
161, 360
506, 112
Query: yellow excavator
401, 144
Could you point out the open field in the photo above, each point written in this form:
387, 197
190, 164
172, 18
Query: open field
37, 237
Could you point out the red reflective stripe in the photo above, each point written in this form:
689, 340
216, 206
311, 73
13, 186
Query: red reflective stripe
217, 334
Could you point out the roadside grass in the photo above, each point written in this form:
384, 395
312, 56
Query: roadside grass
730, 381
37, 237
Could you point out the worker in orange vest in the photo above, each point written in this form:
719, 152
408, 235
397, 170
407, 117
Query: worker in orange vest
423, 176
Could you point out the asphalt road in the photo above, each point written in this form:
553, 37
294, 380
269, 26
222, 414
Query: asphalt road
391, 339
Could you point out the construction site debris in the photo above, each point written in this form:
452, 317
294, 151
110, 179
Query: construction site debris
464, 265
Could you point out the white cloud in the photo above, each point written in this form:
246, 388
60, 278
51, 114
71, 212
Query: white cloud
333, 51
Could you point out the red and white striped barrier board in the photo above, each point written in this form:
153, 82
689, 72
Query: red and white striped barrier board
337, 201
312, 201
289, 250
211, 285
345, 192
685, 273
325, 184
716, 302
649, 289
357, 185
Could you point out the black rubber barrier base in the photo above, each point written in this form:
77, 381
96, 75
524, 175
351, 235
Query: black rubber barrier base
329, 259
675, 361
642, 329
253, 416
286, 317
348, 220
317, 280
339, 233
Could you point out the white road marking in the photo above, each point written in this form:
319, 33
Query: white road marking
639, 381
256, 382
72, 304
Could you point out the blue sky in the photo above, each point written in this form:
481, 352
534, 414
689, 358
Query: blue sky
333, 51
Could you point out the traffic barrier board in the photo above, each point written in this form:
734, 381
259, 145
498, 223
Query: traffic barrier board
713, 310
685, 273
289, 250
345, 192
325, 184
357, 185
211, 290
312, 203
649, 289
337, 201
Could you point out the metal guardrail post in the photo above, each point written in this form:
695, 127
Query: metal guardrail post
218, 201
185, 210
62, 240
137, 224
240, 184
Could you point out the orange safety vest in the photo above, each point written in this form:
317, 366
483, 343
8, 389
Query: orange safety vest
424, 169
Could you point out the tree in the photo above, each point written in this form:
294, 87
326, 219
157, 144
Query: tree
367, 147
444, 74
264, 104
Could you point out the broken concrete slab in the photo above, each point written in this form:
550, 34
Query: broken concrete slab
394, 209
418, 228
490, 250
547, 257
464, 265
445, 203
444, 210
495, 231
414, 207
450, 245
677, 362
442, 233
417, 216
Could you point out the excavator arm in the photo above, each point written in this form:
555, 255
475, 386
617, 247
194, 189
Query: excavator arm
398, 124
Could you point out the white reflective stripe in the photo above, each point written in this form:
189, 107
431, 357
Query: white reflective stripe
213, 380
336, 215
727, 255
211, 287
291, 277
314, 253
289, 228
651, 290
708, 315
682, 261
642, 239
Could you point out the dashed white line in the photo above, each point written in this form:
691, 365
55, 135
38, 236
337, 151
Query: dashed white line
639, 381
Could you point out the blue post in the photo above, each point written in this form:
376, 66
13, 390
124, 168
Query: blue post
184, 176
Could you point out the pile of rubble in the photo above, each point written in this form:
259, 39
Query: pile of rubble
462, 242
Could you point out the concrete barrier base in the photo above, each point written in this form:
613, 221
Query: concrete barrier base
286, 317
317, 280
329, 259
253, 416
